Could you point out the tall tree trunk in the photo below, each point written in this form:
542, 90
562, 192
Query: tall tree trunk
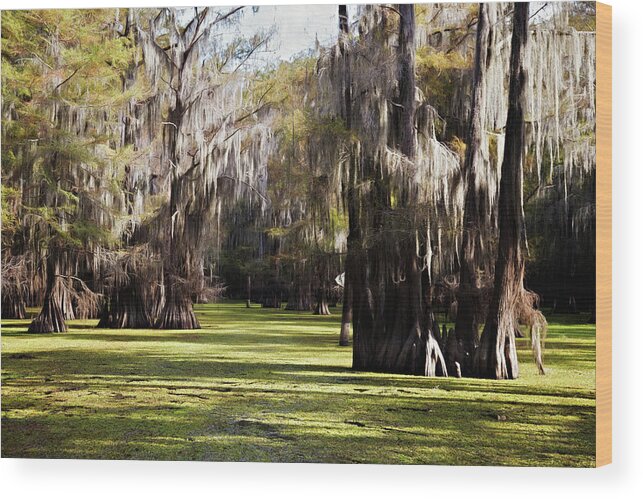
352, 242
299, 296
179, 266
51, 318
126, 307
347, 314
13, 307
347, 302
346, 73
177, 312
14, 287
271, 299
321, 305
389, 332
248, 291
466, 323
496, 357
66, 302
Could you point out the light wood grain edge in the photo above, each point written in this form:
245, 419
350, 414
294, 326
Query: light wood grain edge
603, 234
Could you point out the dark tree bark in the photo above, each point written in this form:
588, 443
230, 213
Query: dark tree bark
179, 261
13, 305
346, 73
299, 297
191, 200
16, 283
271, 299
51, 318
321, 307
66, 302
496, 357
389, 319
177, 312
126, 308
272, 290
347, 314
321, 302
347, 302
462, 350
406, 80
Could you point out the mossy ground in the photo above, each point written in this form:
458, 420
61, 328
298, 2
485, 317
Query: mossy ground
272, 385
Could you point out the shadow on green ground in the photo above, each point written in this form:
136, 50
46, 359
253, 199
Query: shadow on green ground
270, 385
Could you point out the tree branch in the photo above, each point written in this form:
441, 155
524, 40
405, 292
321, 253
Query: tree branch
250, 52
69, 77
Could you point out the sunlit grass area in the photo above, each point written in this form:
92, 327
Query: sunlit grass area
271, 385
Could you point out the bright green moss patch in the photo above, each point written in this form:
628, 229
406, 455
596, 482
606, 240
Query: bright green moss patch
271, 385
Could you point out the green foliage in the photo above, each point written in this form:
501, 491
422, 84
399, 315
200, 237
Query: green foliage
83, 232
56, 66
10, 221
302, 169
583, 16
438, 74
77, 48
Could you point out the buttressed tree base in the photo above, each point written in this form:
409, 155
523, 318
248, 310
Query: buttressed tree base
350, 234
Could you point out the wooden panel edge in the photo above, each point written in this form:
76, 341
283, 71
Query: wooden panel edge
603, 234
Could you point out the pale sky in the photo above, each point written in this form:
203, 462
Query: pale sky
297, 26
